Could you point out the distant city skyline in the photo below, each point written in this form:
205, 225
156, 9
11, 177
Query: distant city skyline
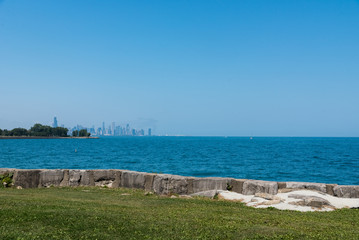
112, 129
194, 68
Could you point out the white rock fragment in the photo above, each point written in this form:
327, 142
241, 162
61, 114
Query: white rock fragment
298, 200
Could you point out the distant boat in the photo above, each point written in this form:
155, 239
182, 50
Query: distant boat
251, 138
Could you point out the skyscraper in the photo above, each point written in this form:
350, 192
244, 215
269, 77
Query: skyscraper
149, 132
55, 123
103, 128
113, 128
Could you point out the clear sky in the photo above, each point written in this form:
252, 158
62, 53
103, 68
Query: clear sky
232, 68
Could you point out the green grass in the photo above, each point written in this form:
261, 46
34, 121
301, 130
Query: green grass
99, 213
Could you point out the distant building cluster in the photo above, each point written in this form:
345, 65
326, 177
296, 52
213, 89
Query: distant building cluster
111, 130
117, 130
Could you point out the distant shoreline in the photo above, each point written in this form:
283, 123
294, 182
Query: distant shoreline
38, 137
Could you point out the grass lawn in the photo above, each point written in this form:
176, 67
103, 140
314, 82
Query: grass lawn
102, 213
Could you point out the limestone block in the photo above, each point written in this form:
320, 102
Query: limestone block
26, 178
75, 177
65, 181
117, 181
270, 202
102, 175
149, 178
190, 185
210, 183
251, 187
51, 177
6, 170
131, 179
167, 184
209, 194
87, 178
282, 185
330, 188
346, 191
267, 196
310, 201
237, 185
321, 187
80, 178
109, 178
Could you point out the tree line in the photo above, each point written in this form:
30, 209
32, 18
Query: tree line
81, 133
39, 130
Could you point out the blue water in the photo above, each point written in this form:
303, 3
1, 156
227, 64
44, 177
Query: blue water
328, 160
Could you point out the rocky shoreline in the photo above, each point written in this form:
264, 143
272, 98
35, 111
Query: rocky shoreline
255, 193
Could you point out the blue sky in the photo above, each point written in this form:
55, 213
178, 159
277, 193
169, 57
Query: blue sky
233, 68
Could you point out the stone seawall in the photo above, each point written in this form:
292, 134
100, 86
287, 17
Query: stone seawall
164, 183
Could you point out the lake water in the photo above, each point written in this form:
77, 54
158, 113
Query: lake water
327, 160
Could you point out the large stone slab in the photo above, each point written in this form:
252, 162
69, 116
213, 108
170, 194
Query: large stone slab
321, 187
101, 175
330, 188
310, 201
131, 179
109, 178
81, 178
26, 178
66, 180
87, 178
51, 177
210, 183
282, 185
251, 187
6, 170
190, 184
167, 184
346, 191
149, 179
237, 185
208, 194
75, 177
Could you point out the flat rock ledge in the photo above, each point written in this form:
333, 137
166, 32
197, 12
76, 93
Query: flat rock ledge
282, 195
298, 200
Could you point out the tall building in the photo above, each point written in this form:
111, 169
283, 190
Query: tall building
103, 128
119, 131
149, 132
55, 123
113, 128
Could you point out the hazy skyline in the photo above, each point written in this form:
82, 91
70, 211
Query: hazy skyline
229, 68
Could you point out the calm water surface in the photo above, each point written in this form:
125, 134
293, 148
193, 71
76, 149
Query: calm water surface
328, 160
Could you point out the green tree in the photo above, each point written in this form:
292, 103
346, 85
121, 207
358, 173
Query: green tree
5, 132
41, 130
19, 132
84, 133
75, 133
60, 132
47, 131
